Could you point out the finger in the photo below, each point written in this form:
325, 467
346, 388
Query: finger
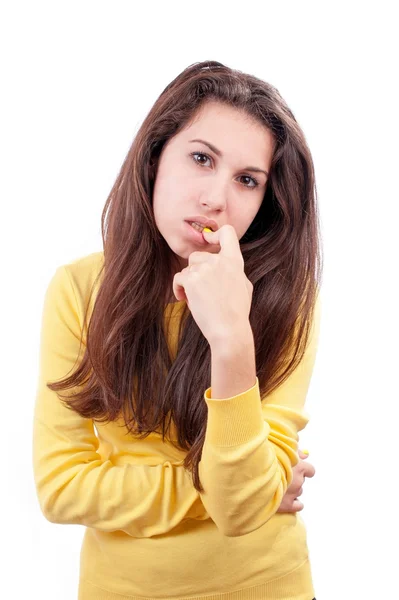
308, 470
197, 257
179, 281
228, 240
297, 505
291, 507
303, 454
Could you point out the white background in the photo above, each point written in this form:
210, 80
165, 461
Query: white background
77, 79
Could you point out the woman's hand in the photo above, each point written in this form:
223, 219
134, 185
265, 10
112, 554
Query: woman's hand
217, 291
290, 502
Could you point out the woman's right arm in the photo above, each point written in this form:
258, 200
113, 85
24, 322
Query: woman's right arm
73, 483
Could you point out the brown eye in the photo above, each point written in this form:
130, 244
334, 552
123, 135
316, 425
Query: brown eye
193, 154
251, 179
207, 157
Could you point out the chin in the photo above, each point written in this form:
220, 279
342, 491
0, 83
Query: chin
182, 253
183, 257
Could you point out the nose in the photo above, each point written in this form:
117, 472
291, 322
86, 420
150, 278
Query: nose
215, 197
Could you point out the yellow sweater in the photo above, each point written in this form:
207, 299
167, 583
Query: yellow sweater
149, 533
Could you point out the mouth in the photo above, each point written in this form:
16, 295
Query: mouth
194, 231
200, 222
198, 226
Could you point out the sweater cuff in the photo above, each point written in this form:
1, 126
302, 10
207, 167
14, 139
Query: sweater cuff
235, 420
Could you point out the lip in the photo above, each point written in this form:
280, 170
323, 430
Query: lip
203, 221
195, 235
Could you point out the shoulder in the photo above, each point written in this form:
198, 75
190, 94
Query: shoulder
84, 270
84, 274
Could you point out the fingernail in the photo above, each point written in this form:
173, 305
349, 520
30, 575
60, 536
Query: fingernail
305, 451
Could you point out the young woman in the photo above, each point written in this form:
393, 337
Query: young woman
176, 362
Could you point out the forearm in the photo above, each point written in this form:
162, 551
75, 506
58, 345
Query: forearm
239, 469
233, 365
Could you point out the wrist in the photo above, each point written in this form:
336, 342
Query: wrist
233, 363
235, 340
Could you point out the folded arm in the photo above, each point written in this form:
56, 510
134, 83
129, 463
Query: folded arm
251, 444
73, 483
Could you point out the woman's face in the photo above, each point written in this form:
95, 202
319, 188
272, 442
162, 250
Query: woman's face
194, 180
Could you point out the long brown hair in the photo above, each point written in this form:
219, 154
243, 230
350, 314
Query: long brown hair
127, 366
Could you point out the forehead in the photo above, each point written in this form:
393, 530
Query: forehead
231, 130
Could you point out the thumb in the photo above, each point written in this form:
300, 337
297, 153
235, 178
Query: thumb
212, 237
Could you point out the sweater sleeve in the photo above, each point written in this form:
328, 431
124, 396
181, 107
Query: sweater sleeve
251, 447
73, 483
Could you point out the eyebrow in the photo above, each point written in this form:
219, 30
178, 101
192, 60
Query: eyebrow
219, 153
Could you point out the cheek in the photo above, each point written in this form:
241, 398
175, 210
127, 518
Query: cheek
241, 219
241, 223
171, 190
156, 203
168, 205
